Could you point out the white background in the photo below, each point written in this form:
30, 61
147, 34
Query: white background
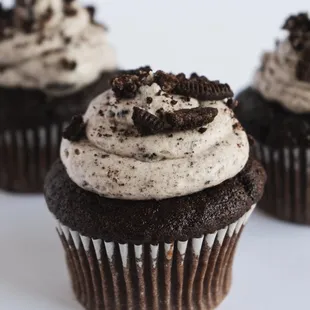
223, 40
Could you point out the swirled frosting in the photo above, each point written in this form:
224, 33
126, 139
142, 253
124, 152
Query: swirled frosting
115, 160
53, 45
284, 73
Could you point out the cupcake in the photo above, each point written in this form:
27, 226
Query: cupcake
275, 109
151, 193
54, 58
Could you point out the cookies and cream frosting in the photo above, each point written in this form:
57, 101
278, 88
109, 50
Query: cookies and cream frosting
284, 75
53, 45
155, 136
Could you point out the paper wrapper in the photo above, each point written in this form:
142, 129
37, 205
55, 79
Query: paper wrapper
192, 274
26, 156
287, 192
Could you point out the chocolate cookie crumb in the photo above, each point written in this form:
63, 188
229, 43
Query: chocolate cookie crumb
166, 81
125, 86
70, 11
297, 22
186, 119
68, 64
181, 76
202, 130
147, 123
75, 131
203, 90
232, 104
92, 11
149, 100
67, 40
299, 30
46, 17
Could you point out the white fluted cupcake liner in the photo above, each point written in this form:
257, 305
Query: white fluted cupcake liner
191, 274
287, 192
26, 156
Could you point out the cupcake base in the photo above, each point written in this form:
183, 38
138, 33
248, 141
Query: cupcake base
31, 126
287, 192
192, 274
26, 156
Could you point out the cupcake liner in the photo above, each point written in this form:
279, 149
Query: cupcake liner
26, 156
191, 274
287, 192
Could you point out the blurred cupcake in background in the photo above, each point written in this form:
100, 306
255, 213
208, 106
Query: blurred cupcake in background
54, 58
152, 191
275, 109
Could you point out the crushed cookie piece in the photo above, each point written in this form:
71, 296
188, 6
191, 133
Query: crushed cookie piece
149, 100
147, 123
125, 86
166, 81
68, 64
75, 131
203, 90
202, 130
186, 119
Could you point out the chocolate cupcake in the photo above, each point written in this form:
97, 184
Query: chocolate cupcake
275, 109
152, 192
54, 58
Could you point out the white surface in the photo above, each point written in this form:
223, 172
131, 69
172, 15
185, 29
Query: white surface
221, 39
271, 269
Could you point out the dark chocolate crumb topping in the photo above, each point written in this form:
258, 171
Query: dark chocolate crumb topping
299, 30
147, 123
202, 130
92, 11
167, 81
299, 37
126, 86
149, 100
232, 104
70, 11
203, 90
187, 119
196, 86
299, 22
68, 64
76, 129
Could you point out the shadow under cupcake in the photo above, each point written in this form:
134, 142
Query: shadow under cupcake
275, 110
152, 192
54, 58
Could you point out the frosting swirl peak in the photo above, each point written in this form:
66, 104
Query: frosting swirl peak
53, 45
144, 140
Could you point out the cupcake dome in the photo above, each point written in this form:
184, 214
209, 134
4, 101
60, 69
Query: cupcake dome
155, 180
54, 59
275, 110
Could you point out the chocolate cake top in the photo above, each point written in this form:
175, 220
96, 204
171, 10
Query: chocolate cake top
178, 218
